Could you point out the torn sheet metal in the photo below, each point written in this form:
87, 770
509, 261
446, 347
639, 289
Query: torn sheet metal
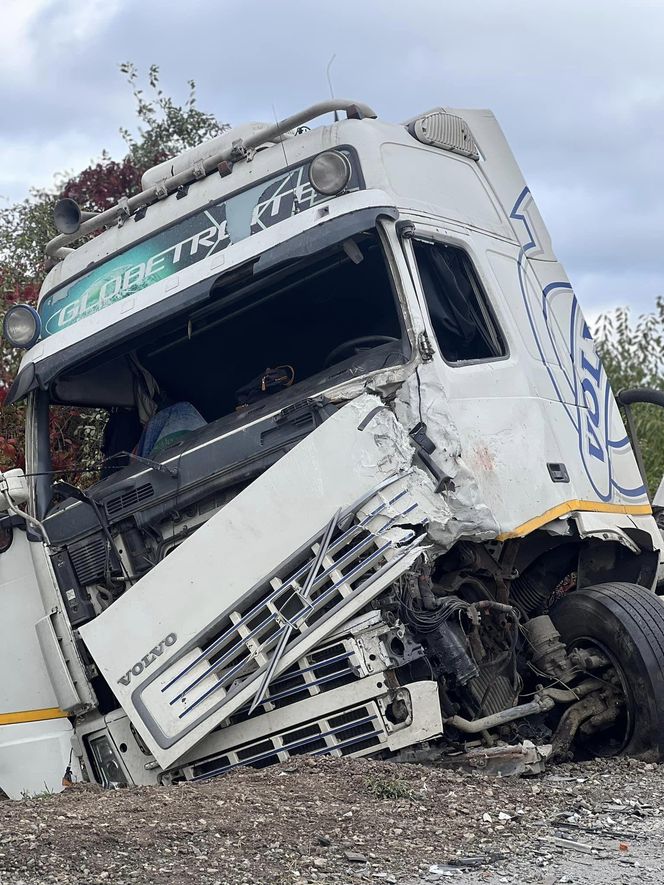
417, 400
190, 642
607, 527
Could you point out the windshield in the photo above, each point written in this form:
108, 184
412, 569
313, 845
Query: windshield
257, 343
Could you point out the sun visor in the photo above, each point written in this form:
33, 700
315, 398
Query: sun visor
329, 233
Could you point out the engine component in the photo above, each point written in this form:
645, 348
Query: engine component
528, 594
93, 559
77, 602
491, 691
449, 646
429, 618
548, 653
602, 706
533, 591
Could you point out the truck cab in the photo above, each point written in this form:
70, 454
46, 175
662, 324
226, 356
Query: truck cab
363, 486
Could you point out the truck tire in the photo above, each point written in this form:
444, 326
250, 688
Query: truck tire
625, 622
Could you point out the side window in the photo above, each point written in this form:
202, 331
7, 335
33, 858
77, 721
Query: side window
464, 326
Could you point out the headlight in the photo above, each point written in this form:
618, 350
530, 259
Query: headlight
329, 172
109, 770
22, 326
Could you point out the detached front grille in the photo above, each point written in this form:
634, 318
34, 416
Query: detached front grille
355, 558
129, 499
280, 621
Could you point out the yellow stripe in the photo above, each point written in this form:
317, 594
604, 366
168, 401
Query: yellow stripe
569, 507
31, 716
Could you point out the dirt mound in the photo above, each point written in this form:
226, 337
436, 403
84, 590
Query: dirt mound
346, 821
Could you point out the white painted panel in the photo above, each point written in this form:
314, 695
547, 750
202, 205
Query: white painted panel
25, 684
446, 184
34, 757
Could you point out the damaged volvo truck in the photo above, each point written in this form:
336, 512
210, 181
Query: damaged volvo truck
365, 489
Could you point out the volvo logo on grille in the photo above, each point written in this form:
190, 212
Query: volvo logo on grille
148, 659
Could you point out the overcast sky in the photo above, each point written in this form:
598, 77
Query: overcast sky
578, 87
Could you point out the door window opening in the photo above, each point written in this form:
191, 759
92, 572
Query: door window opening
462, 321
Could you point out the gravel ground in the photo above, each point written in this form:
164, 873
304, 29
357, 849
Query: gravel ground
347, 821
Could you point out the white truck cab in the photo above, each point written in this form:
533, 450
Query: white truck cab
365, 488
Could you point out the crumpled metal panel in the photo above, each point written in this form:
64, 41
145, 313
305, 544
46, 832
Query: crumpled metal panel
190, 643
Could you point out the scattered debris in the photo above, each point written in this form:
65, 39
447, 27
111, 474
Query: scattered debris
507, 760
355, 857
444, 869
568, 843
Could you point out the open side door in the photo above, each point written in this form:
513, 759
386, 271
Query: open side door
627, 399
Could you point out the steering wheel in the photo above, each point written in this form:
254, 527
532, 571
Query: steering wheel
355, 344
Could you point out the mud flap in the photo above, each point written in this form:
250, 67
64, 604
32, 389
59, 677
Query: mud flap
191, 642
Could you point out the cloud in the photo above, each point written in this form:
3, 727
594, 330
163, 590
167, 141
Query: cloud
34, 31
578, 88
52, 91
17, 49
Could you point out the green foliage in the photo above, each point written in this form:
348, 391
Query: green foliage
165, 128
388, 788
633, 356
46, 793
25, 228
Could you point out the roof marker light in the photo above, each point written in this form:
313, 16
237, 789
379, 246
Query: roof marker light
329, 172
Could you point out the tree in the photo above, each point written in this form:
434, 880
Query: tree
163, 129
633, 356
